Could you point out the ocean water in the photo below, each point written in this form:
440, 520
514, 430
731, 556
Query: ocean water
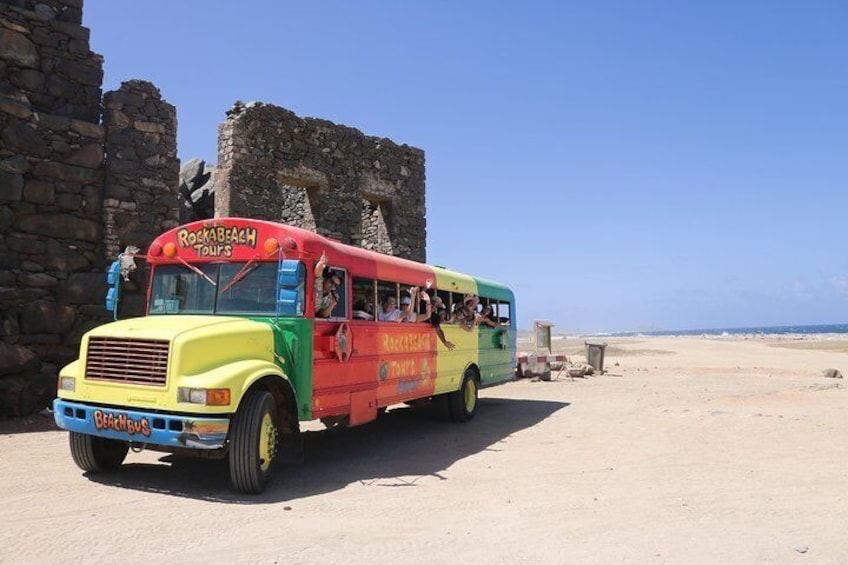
755, 330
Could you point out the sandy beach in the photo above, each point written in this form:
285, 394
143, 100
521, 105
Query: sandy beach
688, 450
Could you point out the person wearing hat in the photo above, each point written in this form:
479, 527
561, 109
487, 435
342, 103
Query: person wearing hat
465, 314
326, 283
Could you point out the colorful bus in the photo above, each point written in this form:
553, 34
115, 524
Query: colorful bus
230, 356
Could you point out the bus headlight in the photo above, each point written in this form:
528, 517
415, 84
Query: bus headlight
204, 396
67, 383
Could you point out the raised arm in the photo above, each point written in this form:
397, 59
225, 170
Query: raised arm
324, 312
485, 321
320, 265
445, 342
409, 314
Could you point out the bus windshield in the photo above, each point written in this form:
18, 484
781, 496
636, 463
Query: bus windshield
215, 288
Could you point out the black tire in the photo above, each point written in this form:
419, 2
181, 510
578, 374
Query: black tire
462, 404
439, 407
254, 442
97, 454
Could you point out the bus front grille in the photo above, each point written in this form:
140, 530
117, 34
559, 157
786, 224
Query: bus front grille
134, 361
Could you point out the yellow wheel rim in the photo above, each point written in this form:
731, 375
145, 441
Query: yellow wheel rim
470, 395
267, 442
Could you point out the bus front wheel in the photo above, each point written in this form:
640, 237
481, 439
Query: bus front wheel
462, 404
97, 454
254, 442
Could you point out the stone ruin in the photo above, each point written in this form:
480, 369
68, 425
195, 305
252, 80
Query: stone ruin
307, 172
77, 182
365, 191
83, 175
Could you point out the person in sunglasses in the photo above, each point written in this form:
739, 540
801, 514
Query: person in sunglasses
388, 310
326, 284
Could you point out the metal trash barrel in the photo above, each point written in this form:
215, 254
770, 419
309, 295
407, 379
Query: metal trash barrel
595, 355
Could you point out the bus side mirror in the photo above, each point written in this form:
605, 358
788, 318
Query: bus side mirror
113, 279
291, 276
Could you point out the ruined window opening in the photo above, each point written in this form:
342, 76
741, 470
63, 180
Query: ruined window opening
300, 204
376, 222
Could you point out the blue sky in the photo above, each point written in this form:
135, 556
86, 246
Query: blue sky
619, 164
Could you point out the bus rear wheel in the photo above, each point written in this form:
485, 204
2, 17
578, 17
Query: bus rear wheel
97, 454
462, 404
254, 442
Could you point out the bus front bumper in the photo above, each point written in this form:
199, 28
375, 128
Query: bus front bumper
141, 427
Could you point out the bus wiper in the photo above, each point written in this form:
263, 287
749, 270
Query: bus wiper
198, 271
243, 272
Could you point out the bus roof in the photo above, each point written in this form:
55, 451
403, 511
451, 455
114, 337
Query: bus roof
243, 239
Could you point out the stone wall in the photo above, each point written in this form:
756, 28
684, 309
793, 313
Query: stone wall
141, 172
60, 10
51, 153
53, 169
332, 179
46, 60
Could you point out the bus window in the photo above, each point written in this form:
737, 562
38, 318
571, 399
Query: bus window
502, 312
486, 318
457, 299
363, 298
387, 292
340, 310
180, 290
445, 296
222, 288
248, 290
421, 305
